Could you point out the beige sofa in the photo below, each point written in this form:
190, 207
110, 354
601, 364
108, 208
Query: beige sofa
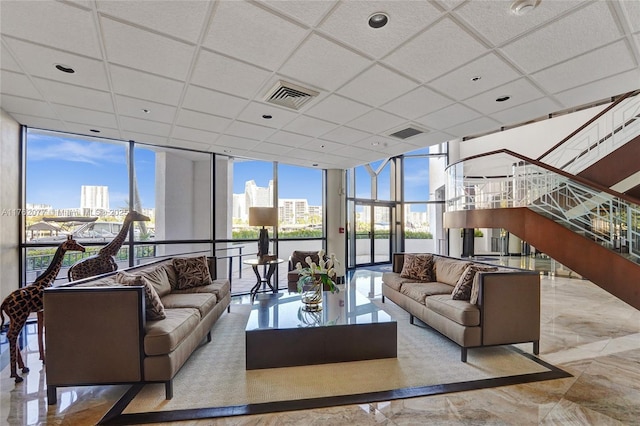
507, 310
97, 331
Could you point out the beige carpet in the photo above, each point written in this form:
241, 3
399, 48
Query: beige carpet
215, 375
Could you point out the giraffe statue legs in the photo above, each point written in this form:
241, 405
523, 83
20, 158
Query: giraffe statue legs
15, 326
40, 334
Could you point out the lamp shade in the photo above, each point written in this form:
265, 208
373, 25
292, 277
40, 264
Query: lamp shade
263, 216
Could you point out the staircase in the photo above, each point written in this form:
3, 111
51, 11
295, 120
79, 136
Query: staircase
562, 209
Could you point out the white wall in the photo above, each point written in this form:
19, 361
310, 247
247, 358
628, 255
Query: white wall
336, 214
9, 201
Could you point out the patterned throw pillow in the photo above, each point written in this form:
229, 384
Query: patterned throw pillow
192, 272
418, 267
464, 286
154, 308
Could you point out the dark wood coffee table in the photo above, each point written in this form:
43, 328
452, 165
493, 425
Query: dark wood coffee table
349, 328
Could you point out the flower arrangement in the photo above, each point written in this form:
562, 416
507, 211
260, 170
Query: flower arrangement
314, 274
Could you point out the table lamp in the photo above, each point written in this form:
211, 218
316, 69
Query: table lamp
263, 216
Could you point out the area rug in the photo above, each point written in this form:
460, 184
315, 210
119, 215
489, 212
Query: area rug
214, 382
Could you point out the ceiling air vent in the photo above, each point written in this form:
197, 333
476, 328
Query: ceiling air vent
290, 95
407, 132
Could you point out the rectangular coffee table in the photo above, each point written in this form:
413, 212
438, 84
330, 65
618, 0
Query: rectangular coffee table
280, 333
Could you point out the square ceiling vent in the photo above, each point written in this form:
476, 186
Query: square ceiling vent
289, 95
407, 132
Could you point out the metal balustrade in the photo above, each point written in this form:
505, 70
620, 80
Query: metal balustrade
505, 179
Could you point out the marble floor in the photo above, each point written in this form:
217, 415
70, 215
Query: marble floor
585, 331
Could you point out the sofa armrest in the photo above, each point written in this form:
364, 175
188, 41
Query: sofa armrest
510, 307
94, 335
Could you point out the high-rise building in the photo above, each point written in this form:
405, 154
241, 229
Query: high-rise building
93, 198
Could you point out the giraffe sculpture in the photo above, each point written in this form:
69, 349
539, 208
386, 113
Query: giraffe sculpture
23, 301
104, 261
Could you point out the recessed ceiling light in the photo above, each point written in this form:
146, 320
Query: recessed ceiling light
375, 143
146, 111
267, 116
65, 68
503, 98
315, 164
227, 150
522, 7
94, 130
378, 20
476, 78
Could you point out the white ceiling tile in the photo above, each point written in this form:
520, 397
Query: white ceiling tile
520, 91
146, 51
632, 8
12, 83
182, 19
41, 61
376, 86
309, 126
202, 121
602, 89
417, 103
209, 101
145, 86
235, 142
398, 149
289, 139
48, 24
249, 131
67, 94
446, 41
345, 135
479, 125
307, 12
377, 143
349, 23
105, 132
40, 123
145, 126
134, 108
495, 21
7, 62
93, 119
190, 134
309, 64
255, 110
449, 116
529, 111
271, 149
337, 109
376, 121
18, 105
322, 146
591, 27
492, 71
250, 33
145, 138
228, 75
198, 146
591, 66
359, 155
449, 4
431, 138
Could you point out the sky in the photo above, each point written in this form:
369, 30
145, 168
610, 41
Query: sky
58, 165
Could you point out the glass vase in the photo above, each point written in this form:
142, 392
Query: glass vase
312, 297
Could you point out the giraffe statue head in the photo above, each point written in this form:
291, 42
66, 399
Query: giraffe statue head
71, 245
134, 216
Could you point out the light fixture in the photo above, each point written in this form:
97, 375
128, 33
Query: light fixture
267, 116
94, 130
522, 7
378, 20
263, 216
476, 78
64, 68
503, 98
146, 111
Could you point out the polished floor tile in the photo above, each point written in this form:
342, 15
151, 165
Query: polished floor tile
585, 331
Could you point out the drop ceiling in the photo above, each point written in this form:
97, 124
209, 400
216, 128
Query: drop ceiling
202, 70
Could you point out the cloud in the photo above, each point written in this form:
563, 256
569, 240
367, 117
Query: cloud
46, 148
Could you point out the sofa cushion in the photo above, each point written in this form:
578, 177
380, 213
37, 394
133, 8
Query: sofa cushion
459, 311
192, 272
220, 288
156, 276
418, 267
462, 290
203, 302
448, 271
162, 337
418, 291
475, 287
154, 309
394, 280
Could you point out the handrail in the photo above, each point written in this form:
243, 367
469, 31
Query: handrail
585, 125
